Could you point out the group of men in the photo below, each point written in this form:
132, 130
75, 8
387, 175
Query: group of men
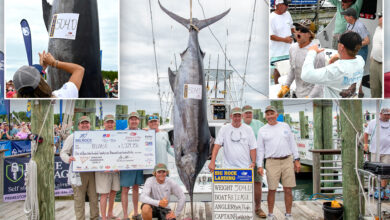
154, 197
247, 143
343, 76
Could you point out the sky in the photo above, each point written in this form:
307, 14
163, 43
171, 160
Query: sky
32, 11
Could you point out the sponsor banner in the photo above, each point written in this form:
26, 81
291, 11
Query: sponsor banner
14, 174
113, 150
233, 194
20, 147
6, 145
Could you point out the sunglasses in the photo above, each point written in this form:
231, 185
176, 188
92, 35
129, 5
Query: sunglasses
153, 117
302, 29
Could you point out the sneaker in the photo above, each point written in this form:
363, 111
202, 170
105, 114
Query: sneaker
288, 216
271, 217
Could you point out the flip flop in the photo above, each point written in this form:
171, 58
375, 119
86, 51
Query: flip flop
260, 213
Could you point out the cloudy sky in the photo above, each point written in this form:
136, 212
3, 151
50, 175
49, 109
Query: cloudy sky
32, 12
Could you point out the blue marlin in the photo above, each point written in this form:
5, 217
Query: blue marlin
84, 50
192, 138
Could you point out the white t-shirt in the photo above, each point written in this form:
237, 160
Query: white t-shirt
377, 42
280, 25
275, 141
336, 76
384, 133
236, 143
68, 90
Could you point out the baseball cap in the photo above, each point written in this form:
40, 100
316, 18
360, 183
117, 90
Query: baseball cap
349, 12
277, 2
247, 108
385, 111
350, 40
133, 114
159, 167
236, 110
84, 118
26, 76
271, 108
152, 118
109, 118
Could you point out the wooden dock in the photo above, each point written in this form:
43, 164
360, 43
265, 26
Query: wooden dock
302, 210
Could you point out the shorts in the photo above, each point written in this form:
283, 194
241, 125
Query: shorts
130, 178
257, 177
158, 212
280, 169
105, 182
383, 158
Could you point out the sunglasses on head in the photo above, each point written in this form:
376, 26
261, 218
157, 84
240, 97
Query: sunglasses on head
302, 29
153, 117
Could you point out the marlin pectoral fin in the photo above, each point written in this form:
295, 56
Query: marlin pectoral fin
46, 8
207, 22
183, 21
172, 79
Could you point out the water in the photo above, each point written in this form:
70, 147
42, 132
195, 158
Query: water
304, 188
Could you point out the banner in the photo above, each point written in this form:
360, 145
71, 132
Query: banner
14, 174
20, 147
4, 104
27, 39
297, 2
6, 145
121, 124
28, 112
113, 150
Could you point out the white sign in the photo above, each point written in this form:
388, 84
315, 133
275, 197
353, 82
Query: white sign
192, 91
233, 194
64, 26
113, 150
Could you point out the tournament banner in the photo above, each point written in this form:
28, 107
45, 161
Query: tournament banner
14, 174
20, 147
113, 150
6, 145
4, 104
27, 39
232, 193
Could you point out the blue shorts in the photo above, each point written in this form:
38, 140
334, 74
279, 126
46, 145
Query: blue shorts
130, 178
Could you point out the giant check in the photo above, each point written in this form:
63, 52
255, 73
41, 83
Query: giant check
113, 150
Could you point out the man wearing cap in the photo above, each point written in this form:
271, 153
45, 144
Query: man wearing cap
88, 184
238, 142
255, 124
107, 183
355, 25
163, 145
341, 74
384, 142
298, 52
131, 178
156, 194
276, 143
280, 31
341, 23
376, 74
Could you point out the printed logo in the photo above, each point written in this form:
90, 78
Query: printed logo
25, 31
106, 135
83, 159
133, 133
83, 135
14, 172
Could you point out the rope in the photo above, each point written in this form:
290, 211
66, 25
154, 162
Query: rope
34, 146
155, 56
31, 205
247, 52
346, 116
230, 64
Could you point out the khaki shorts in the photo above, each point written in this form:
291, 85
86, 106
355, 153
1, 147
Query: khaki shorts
383, 158
280, 170
257, 177
105, 182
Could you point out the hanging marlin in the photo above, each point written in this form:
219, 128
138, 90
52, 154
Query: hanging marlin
84, 50
192, 137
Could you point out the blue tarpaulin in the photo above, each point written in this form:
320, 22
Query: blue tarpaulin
121, 124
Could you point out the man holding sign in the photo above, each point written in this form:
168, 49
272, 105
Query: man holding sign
107, 183
88, 184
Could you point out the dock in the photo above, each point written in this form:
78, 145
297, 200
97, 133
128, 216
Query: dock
302, 210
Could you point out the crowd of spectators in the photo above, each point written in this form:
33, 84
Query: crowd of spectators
111, 88
15, 131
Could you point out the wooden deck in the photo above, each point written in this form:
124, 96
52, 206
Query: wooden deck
302, 210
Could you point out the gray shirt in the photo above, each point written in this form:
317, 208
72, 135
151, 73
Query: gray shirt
359, 28
297, 57
153, 192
